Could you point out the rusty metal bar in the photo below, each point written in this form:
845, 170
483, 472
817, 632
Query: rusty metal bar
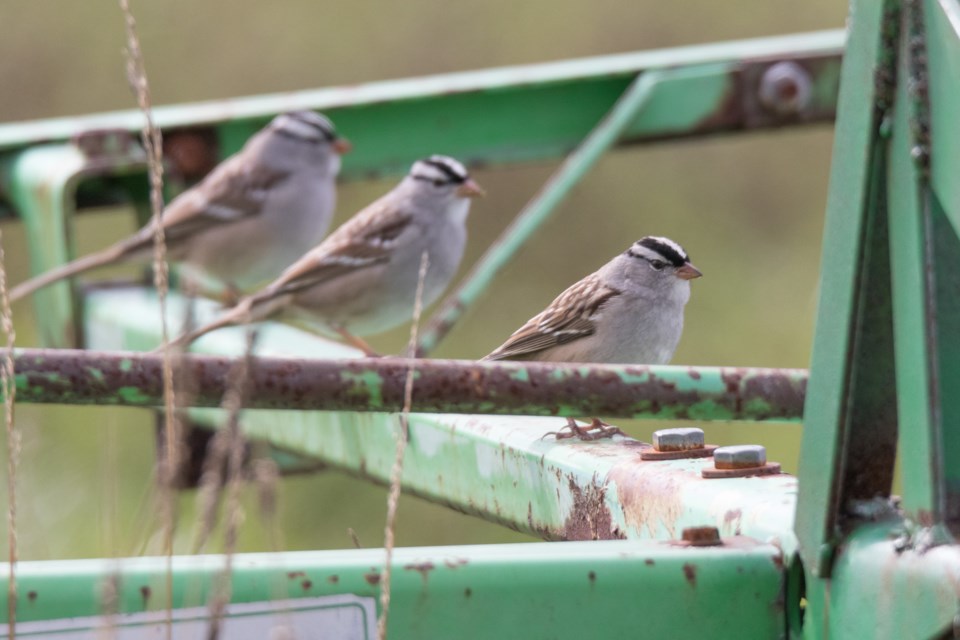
442, 386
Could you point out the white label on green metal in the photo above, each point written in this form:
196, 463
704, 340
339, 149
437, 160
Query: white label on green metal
339, 617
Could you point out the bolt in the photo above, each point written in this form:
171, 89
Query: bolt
785, 88
702, 536
683, 439
744, 456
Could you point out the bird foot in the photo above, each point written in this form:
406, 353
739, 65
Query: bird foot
356, 341
597, 430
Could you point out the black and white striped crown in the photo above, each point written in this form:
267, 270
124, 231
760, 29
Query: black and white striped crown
658, 248
305, 125
439, 170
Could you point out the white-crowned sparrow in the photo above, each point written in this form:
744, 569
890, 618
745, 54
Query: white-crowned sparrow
630, 311
362, 279
251, 217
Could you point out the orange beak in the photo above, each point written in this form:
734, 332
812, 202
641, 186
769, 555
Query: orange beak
688, 272
470, 189
342, 146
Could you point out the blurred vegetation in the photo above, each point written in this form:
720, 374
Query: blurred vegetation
749, 209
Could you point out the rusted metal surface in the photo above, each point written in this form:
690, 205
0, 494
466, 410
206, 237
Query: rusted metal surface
766, 469
703, 452
612, 589
701, 536
88, 377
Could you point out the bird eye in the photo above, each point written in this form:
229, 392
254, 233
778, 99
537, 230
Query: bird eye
439, 183
657, 265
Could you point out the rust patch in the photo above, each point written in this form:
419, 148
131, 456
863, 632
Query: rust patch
592, 577
424, 568
649, 562
467, 592
31, 596
443, 386
690, 573
334, 579
372, 578
306, 584
731, 521
293, 575
455, 563
650, 496
145, 595
590, 517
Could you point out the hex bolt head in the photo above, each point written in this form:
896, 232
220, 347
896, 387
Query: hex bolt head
785, 88
744, 456
702, 536
682, 439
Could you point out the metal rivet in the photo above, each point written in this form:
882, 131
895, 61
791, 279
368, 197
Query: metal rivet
683, 439
785, 88
744, 456
702, 536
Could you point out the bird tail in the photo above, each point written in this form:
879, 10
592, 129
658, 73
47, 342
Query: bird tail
78, 266
237, 315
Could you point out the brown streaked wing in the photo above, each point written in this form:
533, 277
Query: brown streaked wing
234, 191
365, 241
569, 317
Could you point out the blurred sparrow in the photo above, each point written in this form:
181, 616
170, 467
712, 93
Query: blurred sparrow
630, 311
249, 218
362, 279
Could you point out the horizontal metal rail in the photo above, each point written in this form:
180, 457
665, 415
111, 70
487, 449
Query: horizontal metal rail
18, 135
441, 386
499, 468
494, 116
611, 590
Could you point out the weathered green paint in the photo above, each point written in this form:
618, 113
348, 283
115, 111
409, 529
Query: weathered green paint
943, 53
593, 83
889, 320
888, 586
832, 425
615, 589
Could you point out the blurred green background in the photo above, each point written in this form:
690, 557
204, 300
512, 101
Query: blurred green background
749, 210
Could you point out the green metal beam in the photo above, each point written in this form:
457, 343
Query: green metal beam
498, 468
612, 589
943, 53
42, 183
850, 425
500, 98
887, 584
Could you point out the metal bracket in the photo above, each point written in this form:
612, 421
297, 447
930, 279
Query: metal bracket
42, 183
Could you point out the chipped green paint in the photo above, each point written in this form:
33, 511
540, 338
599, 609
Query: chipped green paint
133, 395
372, 385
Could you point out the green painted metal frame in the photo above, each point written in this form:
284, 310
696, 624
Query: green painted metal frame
889, 319
496, 467
601, 589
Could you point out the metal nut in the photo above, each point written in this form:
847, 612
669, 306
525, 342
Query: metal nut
744, 456
683, 439
785, 88
702, 536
